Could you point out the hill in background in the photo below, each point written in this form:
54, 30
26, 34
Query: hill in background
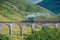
53, 5
16, 10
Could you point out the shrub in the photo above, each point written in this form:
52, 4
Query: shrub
46, 33
4, 37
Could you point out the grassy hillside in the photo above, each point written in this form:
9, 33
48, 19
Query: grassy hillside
15, 10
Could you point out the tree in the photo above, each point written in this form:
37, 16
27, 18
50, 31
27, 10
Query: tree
4, 37
45, 33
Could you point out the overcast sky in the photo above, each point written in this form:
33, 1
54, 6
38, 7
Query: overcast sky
35, 1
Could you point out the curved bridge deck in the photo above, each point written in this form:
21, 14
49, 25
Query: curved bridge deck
32, 23
36, 21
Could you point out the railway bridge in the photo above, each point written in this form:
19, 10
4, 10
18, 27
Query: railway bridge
32, 24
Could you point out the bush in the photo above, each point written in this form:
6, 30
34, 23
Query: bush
4, 37
46, 33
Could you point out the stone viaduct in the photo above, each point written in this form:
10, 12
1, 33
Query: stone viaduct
21, 24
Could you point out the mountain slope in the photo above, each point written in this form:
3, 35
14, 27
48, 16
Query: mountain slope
53, 5
16, 10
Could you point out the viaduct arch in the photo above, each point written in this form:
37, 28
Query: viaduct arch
21, 24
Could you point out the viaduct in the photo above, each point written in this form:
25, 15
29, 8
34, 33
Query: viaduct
32, 24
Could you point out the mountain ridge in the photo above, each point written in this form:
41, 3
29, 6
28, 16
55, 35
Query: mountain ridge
52, 5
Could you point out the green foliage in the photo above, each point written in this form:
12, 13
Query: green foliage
4, 37
45, 33
1, 1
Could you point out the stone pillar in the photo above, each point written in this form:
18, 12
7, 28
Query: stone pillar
21, 29
43, 25
56, 25
0, 27
10, 28
32, 27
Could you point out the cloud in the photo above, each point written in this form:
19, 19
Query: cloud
35, 1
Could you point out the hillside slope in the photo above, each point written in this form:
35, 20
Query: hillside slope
16, 10
52, 5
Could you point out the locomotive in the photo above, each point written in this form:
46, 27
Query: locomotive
29, 20
41, 21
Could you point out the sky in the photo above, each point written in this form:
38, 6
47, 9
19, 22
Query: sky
35, 1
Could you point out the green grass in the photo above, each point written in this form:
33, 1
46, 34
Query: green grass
16, 11
26, 30
16, 31
3, 19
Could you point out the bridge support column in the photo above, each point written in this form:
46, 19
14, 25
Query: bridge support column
43, 25
21, 29
0, 27
56, 25
32, 27
10, 28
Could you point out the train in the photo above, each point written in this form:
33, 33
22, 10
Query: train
30, 19
43, 21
